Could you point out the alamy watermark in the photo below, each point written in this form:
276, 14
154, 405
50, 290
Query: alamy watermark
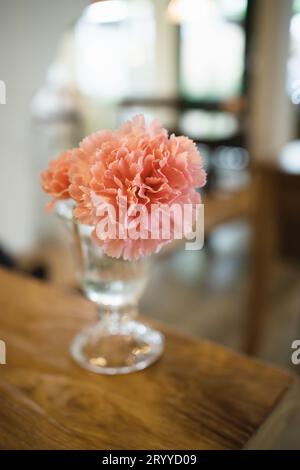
2, 343
2, 92
295, 358
2, 352
157, 222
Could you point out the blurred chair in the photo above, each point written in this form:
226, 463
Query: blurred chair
270, 205
275, 218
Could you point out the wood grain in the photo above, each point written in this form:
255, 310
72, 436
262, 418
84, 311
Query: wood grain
198, 396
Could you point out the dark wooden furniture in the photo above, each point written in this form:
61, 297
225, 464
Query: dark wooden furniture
264, 240
275, 220
198, 396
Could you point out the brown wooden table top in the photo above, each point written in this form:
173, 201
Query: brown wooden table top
198, 396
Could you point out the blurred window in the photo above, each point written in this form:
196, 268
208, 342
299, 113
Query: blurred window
293, 72
212, 52
115, 44
212, 125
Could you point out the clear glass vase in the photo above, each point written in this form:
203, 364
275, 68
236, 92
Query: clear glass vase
118, 343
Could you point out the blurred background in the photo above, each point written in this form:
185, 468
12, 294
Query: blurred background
224, 72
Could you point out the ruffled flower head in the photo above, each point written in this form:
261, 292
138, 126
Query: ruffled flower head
139, 164
55, 180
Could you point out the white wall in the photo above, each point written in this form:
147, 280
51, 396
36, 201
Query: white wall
166, 53
29, 32
272, 118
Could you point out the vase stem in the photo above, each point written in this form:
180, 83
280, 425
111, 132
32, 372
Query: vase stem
117, 314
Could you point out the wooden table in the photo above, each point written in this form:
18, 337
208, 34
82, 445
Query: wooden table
198, 396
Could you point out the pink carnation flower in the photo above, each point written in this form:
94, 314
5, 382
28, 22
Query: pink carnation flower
55, 180
139, 163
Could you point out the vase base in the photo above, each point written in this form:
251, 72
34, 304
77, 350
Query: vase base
110, 348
